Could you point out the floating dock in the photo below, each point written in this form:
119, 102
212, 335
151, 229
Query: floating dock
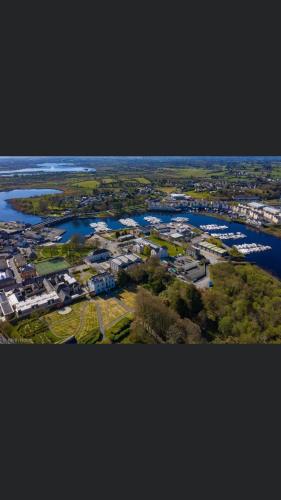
248, 248
213, 227
229, 236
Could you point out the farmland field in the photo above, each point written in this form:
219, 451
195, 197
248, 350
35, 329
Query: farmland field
92, 184
142, 180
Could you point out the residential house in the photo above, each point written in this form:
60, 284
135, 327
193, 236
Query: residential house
156, 250
124, 261
101, 283
98, 255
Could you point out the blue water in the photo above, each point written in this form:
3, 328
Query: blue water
7, 213
269, 260
47, 168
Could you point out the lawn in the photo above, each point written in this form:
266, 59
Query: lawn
173, 250
111, 311
63, 250
82, 322
51, 265
84, 276
128, 297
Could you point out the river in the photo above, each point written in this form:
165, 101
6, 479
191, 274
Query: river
269, 260
7, 213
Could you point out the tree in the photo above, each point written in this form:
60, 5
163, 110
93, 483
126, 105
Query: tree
160, 323
123, 278
43, 205
147, 251
77, 241
185, 299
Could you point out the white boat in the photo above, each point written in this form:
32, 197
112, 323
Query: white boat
229, 236
152, 220
128, 222
252, 248
180, 219
212, 227
99, 226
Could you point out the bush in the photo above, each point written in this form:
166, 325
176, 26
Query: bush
120, 330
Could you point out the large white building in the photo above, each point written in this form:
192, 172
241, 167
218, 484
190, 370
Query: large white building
101, 283
25, 307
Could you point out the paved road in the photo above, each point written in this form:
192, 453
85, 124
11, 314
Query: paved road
12, 265
100, 320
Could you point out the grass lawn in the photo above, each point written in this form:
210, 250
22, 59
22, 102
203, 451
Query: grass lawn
173, 250
51, 265
128, 297
84, 276
111, 311
82, 322
63, 250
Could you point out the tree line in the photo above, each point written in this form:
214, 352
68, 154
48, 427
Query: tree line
243, 306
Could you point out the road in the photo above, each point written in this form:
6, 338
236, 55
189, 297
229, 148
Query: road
17, 275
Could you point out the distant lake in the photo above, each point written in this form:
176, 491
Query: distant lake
48, 167
7, 213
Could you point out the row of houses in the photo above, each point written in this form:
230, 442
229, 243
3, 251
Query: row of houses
258, 212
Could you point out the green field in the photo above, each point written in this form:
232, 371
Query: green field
63, 250
203, 195
92, 184
142, 180
173, 250
51, 266
190, 172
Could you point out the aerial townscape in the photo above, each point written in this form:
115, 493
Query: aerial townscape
140, 250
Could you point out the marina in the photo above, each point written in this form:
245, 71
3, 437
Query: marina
213, 227
229, 236
269, 260
251, 248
